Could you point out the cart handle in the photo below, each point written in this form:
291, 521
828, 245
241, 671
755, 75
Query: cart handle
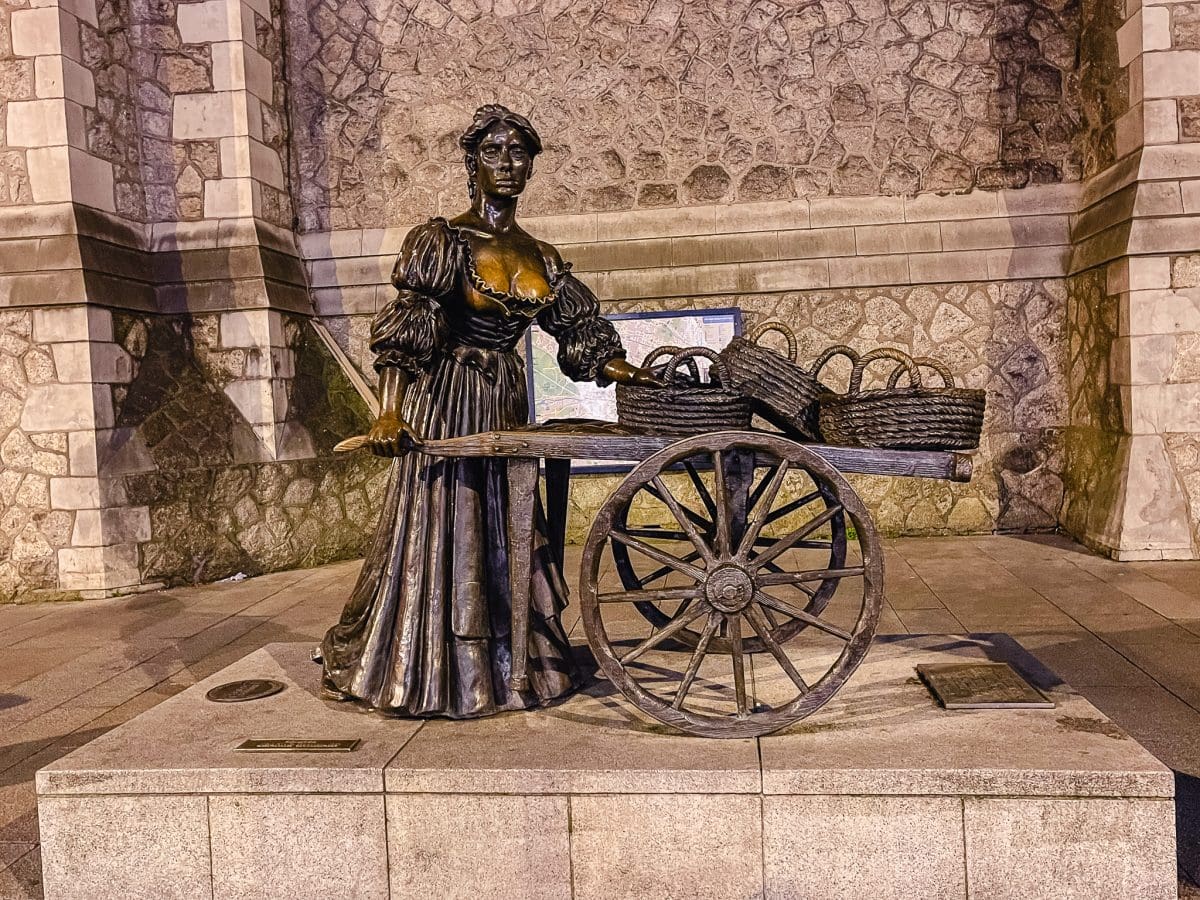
358, 441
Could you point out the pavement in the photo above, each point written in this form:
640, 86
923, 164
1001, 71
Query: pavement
1126, 635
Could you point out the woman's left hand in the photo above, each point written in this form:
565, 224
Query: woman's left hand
623, 372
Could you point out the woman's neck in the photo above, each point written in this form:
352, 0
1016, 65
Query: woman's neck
499, 213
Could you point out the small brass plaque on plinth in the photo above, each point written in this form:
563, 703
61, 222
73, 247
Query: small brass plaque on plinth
981, 686
241, 691
300, 745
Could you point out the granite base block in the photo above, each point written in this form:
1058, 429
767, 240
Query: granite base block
881, 794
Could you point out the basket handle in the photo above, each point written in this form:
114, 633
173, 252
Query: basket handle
830, 353
926, 362
690, 354
669, 351
767, 327
906, 362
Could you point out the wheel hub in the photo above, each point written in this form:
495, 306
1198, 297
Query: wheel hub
729, 589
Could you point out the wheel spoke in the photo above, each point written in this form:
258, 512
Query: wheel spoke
710, 627
801, 586
684, 522
813, 575
667, 570
660, 595
759, 517
759, 622
739, 664
681, 621
698, 483
789, 508
704, 524
657, 555
784, 544
762, 485
724, 513
784, 607
657, 534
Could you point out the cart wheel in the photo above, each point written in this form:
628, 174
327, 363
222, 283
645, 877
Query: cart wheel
637, 572
733, 581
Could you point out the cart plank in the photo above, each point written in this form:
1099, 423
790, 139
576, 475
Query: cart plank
558, 442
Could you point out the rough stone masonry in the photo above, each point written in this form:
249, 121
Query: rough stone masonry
192, 194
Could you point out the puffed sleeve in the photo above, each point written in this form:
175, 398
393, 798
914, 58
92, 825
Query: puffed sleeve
585, 340
411, 330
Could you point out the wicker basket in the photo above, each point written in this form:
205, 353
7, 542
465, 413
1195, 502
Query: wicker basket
685, 405
900, 418
783, 393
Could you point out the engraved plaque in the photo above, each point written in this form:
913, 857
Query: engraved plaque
299, 745
241, 691
981, 686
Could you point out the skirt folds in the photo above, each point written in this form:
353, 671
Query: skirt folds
426, 629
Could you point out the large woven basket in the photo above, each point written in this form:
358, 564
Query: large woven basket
685, 405
783, 393
900, 418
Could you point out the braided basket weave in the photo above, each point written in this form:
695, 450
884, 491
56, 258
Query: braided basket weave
900, 418
685, 405
783, 393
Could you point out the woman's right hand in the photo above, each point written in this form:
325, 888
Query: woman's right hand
387, 435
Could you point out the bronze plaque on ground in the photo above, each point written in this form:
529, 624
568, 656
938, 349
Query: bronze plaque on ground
981, 685
300, 745
240, 691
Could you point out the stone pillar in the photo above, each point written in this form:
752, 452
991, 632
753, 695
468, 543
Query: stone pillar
68, 411
51, 125
232, 112
1143, 224
243, 115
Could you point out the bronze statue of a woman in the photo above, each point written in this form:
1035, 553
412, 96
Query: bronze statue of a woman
426, 630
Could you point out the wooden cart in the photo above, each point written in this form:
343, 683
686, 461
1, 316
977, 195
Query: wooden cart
711, 584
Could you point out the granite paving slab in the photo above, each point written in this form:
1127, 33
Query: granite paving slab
883, 733
185, 744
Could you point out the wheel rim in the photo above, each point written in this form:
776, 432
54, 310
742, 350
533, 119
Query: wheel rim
731, 585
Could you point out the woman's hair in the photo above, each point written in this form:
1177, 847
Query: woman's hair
486, 118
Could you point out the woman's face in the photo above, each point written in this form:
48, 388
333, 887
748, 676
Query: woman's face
504, 162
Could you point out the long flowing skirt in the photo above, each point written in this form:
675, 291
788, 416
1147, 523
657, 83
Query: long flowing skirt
426, 629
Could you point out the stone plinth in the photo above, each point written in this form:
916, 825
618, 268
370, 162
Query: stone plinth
880, 794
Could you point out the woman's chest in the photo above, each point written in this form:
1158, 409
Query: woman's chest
508, 269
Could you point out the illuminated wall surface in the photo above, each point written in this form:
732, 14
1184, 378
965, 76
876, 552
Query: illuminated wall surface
194, 194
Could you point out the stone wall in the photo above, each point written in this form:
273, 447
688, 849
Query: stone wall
111, 50
1095, 419
661, 103
191, 189
1103, 83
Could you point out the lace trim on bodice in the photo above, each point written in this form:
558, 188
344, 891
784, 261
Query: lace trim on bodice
512, 305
